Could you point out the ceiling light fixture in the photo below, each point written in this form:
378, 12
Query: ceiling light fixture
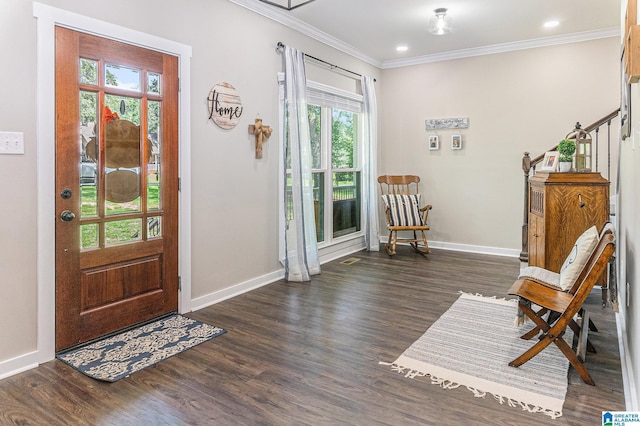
441, 23
551, 24
287, 4
402, 48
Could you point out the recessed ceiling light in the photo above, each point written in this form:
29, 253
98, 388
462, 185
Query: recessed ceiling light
551, 24
402, 48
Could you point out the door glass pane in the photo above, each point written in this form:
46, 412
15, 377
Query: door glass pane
343, 137
154, 142
153, 83
346, 203
154, 227
122, 231
89, 236
88, 71
315, 129
122, 108
122, 77
88, 154
122, 155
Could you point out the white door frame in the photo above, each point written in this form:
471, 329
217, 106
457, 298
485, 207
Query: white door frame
48, 17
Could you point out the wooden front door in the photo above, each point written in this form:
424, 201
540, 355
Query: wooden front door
116, 186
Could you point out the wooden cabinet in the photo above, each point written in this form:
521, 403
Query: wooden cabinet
561, 207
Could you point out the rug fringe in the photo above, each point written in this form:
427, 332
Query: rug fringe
520, 320
448, 384
515, 301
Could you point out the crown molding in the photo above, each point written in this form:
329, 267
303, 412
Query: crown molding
504, 47
285, 19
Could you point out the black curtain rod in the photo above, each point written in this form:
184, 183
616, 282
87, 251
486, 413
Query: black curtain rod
333, 66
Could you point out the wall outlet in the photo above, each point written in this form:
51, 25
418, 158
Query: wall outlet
11, 143
627, 295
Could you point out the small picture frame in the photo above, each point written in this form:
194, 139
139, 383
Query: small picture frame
434, 142
456, 142
550, 161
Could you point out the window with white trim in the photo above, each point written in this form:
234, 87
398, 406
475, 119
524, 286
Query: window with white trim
335, 126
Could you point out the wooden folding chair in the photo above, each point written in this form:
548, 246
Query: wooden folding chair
567, 304
539, 277
403, 212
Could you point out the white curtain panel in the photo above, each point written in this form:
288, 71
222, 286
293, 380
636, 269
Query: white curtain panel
301, 246
369, 167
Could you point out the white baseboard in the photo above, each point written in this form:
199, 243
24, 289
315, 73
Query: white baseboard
626, 365
495, 251
235, 290
18, 364
241, 288
340, 249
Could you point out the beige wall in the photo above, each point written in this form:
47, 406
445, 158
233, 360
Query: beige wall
234, 196
18, 182
516, 102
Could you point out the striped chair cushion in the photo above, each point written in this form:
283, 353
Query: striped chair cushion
404, 210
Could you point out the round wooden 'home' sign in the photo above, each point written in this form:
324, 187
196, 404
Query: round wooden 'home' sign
225, 107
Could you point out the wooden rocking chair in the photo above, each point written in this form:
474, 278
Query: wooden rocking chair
567, 304
402, 208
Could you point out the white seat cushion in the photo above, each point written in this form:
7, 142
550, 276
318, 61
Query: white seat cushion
542, 275
578, 257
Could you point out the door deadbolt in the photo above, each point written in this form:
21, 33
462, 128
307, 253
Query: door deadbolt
67, 216
66, 194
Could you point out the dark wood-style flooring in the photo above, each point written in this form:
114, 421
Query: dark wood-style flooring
308, 353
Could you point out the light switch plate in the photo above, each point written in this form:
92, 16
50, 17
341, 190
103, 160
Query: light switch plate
11, 143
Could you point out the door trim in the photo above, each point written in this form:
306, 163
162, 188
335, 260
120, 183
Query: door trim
47, 18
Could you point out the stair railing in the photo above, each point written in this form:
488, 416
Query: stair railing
529, 165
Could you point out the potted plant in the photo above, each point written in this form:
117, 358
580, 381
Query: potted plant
566, 149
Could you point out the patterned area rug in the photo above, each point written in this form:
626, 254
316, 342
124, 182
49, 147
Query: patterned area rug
472, 344
119, 356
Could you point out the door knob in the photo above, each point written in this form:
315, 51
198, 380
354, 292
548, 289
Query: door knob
67, 216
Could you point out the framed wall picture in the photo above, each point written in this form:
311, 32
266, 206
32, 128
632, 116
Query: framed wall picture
456, 142
434, 142
550, 161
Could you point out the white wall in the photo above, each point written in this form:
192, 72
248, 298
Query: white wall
516, 102
628, 250
628, 246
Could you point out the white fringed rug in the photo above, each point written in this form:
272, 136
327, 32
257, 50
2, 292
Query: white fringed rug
472, 344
